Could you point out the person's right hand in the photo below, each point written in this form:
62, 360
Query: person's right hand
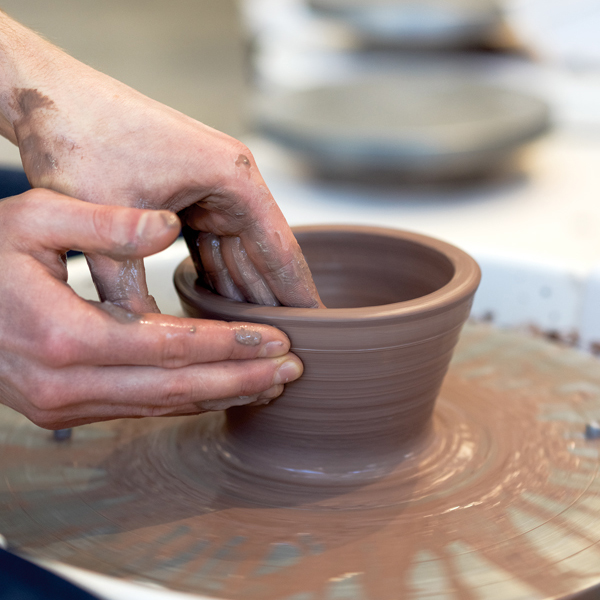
65, 361
86, 135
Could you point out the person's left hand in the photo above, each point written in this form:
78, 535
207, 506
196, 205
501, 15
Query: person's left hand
65, 361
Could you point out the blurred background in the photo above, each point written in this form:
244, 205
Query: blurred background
476, 121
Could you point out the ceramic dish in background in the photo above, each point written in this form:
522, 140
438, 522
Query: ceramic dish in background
417, 23
420, 124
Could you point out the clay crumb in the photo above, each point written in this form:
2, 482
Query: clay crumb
247, 337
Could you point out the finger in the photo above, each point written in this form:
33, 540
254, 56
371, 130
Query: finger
91, 392
254, 400
277, 255
93, 412
244, 273
215, 269
57, 222
266, 236
106, 334
122, 283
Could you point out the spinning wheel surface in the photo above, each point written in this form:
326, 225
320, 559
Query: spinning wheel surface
499, 500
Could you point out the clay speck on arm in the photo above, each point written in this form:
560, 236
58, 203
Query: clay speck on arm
243, 161
29, 100
247, 337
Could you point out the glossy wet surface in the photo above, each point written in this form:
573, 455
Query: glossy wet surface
499, 500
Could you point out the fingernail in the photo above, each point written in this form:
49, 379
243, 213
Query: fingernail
273, 350
288, 371
153, 223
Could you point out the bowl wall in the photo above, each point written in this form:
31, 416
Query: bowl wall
374, 362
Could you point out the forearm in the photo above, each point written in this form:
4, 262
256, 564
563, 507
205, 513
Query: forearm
34, 77
24, 60
48, 100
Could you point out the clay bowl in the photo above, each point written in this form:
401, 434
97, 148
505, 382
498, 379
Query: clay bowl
374, 359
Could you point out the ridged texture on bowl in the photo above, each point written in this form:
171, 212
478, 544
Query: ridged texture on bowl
374, 361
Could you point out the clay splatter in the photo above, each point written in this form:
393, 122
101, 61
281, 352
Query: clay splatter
243, 161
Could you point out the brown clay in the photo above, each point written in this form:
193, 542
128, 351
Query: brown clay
374, 360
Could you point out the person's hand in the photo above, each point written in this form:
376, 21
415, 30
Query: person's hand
66, 361
88, 136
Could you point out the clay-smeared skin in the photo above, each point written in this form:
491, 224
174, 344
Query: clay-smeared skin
242, 161
36, 153
505, 491
117, 312
29, 100
67, 362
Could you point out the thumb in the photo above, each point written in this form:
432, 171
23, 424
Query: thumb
57, 222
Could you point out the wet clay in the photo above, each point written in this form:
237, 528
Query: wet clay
247, 337
374, 359
242, 161
500, 499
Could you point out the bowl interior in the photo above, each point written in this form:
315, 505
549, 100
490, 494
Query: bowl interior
355, 270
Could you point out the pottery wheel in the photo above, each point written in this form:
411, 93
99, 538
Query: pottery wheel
500, 501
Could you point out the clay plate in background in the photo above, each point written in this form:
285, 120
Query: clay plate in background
418, 23
417, 124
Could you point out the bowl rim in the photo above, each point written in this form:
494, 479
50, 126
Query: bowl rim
460, 288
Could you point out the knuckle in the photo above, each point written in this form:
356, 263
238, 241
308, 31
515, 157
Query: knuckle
14, 209
254, 383
44, 396
184, 391
239, 148
102, 222
58, 348
174, 352
43, 419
